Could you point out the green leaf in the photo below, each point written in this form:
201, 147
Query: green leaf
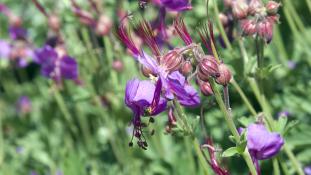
230, 152
290, 126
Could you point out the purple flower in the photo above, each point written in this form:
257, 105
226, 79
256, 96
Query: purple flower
291, 64
17, 32
262, 144
55, 66
307, 170
173, 82
174, 5
283, 113
5, 49
144, 99
23, 105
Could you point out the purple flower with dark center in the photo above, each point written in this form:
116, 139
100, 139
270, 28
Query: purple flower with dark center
144, 99
307, 170
262, 144
174, 5
23, 105
56, 66
164, 67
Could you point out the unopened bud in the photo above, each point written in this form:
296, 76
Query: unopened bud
228, 3
272, 7
225, 75
255, 6
240, 10
186, 68
206, 89
208, 67
265, 30
147, 72
117, 65
248, 27
54, 23
104, 25
171, 117
15, 21
172, 60
223, 19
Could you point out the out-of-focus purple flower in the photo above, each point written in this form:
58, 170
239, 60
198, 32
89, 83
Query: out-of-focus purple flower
262, 144
19, 149
144, 99
17, 32
33, 173
291, 64
59, 172
174, 5
5, 49
56, 66
307, 170
23, 105
283, 113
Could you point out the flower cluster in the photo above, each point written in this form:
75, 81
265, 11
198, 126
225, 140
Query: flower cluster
256, 18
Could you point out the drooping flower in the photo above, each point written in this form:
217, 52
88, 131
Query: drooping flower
262, 144
144, 99
56, 65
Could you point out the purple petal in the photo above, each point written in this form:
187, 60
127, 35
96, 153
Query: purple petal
17, 33
68, 68
261, 143
177, 5
5, 49
185, 93
148, 62
46, 55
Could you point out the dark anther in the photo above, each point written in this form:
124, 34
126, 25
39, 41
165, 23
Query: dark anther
130, 144
151, 120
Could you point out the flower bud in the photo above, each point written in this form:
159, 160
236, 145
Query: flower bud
228, 3
255, 6
54, 22
186, 68
208, 67
15, 21
240, 10
265, 30
206, 89
171, 117
117, 65
147, 72
272, 7
104, 25
172, 60
248, 27
223, 19
225, 75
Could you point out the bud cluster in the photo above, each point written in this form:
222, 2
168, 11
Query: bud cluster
256, 18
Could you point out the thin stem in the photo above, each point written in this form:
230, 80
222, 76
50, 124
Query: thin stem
309, 5
283, 166
277, 39
220, 27
244, 98
276, 167
182, 116
200, 155
226, 97
232, 126
294, 14
293, 159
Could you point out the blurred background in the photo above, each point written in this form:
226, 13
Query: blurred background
84, 127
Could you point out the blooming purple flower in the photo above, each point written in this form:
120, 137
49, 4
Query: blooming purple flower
262, 144
23, 105
143, 98
173, 82
55, 66
307, 170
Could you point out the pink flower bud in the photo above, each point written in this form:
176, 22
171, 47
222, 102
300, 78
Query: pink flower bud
206, 89
172, 60
223, 19
228, 3
272, 7
118, 65
265, 30
248, 27
254, 7
186, 68
225, 75
54, 23
104, 25
208, 67
15, 20
240, 10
